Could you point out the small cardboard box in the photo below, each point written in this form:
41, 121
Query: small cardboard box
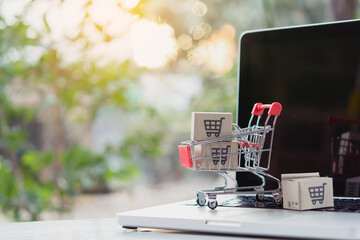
302, 191
210, 125
217, 156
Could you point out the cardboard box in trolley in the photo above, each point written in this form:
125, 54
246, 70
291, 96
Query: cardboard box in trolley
216, 156
302, 191
210, 125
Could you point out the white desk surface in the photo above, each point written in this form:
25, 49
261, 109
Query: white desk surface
89, 229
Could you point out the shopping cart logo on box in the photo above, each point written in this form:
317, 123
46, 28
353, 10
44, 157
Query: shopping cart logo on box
213, 127
219, 154
317, 194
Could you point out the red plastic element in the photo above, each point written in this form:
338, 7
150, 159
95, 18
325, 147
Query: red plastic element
185, 156
332, 120
274, 109
245, 144
257, 109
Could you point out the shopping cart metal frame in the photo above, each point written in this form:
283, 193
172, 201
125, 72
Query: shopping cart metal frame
249, 153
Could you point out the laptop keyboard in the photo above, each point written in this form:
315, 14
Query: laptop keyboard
340, 204
249, 202
345, 205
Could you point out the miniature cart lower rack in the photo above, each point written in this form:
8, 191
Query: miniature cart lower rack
246, 150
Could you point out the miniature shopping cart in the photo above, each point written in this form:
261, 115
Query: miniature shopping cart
250, 153
317, 194
344, 145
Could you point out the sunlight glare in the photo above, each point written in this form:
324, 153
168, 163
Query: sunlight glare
129, 3
114, 20
153, 44
216, 53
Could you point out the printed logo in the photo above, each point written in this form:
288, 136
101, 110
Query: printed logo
317, 194
220, 154
213, 127
292, 204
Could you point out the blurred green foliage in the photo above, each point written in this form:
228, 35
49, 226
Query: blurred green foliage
148, 136
33, 179
210, 99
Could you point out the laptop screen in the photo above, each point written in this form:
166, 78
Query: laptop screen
314, 72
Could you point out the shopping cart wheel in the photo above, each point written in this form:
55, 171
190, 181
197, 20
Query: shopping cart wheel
259, 196
277, 198
212, 204
200, 201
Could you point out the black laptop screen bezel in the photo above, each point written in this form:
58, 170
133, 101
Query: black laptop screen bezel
280, 35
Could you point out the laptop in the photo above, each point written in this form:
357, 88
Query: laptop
314, 72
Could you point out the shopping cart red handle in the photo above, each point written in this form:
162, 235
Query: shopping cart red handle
274, 109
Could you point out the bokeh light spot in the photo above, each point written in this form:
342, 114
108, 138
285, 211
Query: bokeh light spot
199, 8
129, 3
153, 44
185, 42
217, 53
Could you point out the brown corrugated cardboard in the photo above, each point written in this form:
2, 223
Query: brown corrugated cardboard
214, 156
210, 125
304, 191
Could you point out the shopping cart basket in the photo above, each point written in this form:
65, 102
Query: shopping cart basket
253, 147
344, 145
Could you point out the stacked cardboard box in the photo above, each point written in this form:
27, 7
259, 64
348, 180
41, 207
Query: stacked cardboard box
210, 125
221, 155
